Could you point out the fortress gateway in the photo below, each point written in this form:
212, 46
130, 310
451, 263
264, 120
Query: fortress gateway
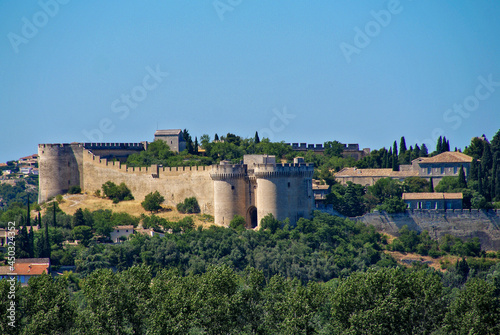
253, 189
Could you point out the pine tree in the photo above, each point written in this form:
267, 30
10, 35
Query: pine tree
395, 163
431, 185
462, 183
402, 146
256, 138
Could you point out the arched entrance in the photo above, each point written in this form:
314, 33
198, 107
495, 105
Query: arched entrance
252, 217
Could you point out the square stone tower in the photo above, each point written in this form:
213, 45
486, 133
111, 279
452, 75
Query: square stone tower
173, 137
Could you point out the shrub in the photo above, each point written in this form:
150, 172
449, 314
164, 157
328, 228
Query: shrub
116, 193
238, 222
152, 201
75, 189
189, 206
59, 199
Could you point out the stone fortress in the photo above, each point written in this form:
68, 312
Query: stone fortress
256, 187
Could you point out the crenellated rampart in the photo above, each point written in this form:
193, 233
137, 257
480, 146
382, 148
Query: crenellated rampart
174, 183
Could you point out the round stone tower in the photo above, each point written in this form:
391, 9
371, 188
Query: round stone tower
60, 166
230, 190
284, 190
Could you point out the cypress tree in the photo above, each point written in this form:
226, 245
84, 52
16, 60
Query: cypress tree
54, 215
497, 184
439, 145
216, 137
31, 243
417, 151
402, 146
474, 170
196, 145
256, 138
424, 151
462, 183
39, 220
385, 159
389, 159
28, 217
445, 146
22, 243
431, 185
46, 240
480, 181
486, 159
395, 163
495, 144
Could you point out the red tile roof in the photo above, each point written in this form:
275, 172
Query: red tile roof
432, 196
355, 172
447, 157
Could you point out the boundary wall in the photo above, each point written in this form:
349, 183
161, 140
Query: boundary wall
461, 223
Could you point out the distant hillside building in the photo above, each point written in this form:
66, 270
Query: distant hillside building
433, 200
173, 137
350, 150
368, 177
435, 168
25, 268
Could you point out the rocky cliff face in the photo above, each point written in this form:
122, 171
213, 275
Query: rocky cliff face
461, 223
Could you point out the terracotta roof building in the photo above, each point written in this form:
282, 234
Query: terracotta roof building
435, 168
433, 200
25, 268
369, 177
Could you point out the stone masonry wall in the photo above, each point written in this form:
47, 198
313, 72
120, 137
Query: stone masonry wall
461, 223
175, 184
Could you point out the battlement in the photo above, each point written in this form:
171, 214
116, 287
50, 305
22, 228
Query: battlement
277, 170
55, 145
227, 171
108, 146
305, 147
156, 170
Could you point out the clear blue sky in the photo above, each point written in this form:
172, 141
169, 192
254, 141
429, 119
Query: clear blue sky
235, 67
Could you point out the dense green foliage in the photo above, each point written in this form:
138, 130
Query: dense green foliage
421, 243
223, 301
115, 192
18, 193
152, 202
189, 206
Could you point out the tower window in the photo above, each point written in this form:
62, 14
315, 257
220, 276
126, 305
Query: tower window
232, 187
288, 184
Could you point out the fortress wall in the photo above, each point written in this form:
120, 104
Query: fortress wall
461, 223
60, 166
175, 185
